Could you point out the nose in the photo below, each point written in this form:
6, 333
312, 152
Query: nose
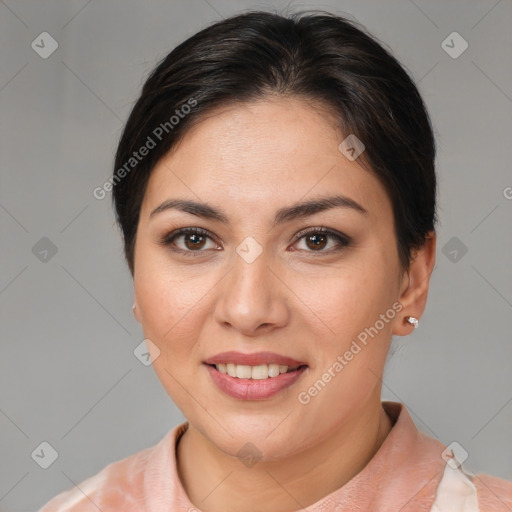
253, 297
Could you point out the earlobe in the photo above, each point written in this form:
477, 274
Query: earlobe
414, 295
136, 312
412, 320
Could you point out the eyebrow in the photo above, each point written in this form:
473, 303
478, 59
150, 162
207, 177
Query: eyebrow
286, 214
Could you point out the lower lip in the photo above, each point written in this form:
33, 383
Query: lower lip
253, 389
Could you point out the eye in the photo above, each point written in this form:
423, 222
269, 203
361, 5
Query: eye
194, 240
317, 239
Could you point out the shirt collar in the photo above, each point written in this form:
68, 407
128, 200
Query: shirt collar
403, 474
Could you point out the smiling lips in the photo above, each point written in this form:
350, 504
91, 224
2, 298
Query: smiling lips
253, 376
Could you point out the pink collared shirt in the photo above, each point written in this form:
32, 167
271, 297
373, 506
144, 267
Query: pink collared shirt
407, 474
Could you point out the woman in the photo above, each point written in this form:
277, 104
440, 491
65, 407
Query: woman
276, 191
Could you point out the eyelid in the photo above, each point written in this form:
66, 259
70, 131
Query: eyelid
169, 238
321, 230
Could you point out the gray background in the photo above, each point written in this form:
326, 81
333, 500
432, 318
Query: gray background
68, 372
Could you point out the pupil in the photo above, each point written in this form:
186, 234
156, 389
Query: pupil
196, 242
317, 244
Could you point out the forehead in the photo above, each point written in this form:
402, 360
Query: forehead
263, 154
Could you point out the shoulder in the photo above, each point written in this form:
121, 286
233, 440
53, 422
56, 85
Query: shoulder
453, 488
118, 486
493, 493
466, 492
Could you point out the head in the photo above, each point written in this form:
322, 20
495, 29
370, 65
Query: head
296, 245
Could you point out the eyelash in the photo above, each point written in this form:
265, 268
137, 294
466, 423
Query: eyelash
343, 240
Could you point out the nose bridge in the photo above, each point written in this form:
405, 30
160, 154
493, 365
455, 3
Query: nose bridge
251, 272
252, 295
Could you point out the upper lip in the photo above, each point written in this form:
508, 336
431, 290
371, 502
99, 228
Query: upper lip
253, 359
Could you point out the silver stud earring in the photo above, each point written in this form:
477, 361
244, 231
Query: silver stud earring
412, 320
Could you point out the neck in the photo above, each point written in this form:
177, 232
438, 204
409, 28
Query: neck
221, 482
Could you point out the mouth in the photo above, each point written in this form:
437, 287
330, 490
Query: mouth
259, 382
257, 372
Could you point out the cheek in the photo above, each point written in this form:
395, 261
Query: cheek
345, 301
351, 354
169, 308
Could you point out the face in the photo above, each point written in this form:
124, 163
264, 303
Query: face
250, 282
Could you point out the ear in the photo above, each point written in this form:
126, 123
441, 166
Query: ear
136, 311
415, 284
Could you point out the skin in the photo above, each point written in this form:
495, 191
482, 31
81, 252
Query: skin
250, 160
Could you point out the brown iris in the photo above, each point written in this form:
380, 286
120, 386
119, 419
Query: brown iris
316, 244
198, 241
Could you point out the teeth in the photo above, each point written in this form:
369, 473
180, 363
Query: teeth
243, 371
272, 370
260, 372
